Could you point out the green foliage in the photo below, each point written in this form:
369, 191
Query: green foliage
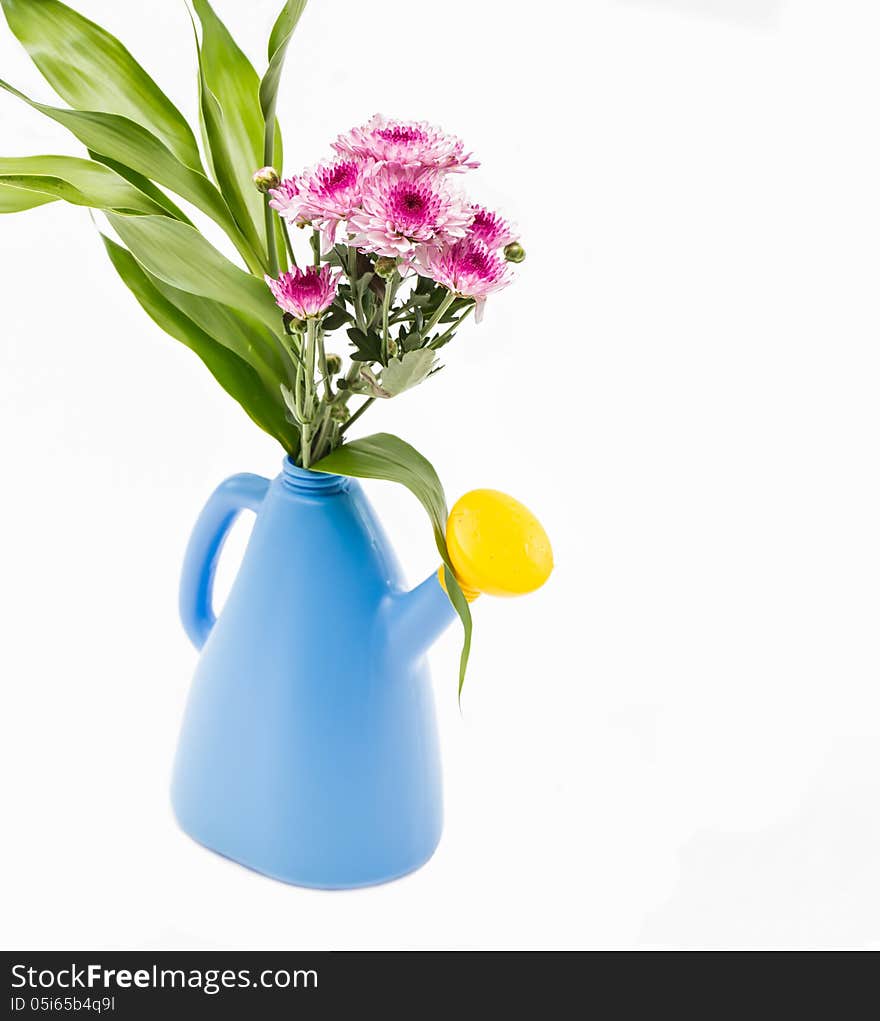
92, 70
367, 346
279, 40
140, 149
80, 182
143, 184
231, 120
134, 146
231, 371
179, 254
407, 371
337, 317
17, 200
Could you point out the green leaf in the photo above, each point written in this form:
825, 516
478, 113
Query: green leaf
280, 37
218, 138
368, 379
142, 184
133, 146
335, 318
368, 346
17, 200
183, 258
80, 182
234, 374
91, 70
241, 333
410, 340
406, 372
279, 40
232, 120
383, 456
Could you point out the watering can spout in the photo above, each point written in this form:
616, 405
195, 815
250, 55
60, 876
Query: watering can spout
496, 546
418, 618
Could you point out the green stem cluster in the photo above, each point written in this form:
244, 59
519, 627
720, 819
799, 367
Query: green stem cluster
312, 410
320, 405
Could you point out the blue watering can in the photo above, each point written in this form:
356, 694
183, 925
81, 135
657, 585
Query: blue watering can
309, 746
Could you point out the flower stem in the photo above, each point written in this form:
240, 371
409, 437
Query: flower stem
355, 295
390, 288
292, 346
438, 315
324, 437
444, 337
357, 414
308, 376
322, 365
285, 233
269, 214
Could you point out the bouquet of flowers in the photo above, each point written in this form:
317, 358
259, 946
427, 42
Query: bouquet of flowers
352, 276
417, 258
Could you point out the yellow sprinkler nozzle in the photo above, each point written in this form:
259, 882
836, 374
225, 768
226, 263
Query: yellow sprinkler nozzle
496, 545
469, 593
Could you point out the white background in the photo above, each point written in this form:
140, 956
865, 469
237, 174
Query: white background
677, 741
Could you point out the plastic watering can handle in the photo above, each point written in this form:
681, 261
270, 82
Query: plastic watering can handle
229, 499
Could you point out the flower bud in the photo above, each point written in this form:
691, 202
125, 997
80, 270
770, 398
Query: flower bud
266, 178
339, 413
334, 364
292, 324
386, 267
514, 252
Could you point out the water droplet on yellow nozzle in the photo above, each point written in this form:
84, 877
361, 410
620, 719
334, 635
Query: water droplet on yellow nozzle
497, 545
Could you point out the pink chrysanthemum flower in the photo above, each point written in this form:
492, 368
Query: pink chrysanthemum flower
324, 196
305, 293
285, 197
403, 207
490, 228
407, 144
467, 268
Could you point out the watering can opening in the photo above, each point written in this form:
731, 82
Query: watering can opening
303, 480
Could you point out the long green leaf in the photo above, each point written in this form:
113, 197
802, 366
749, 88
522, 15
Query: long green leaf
182, 257
235, 181
234, 374
142, 184
133, 146
240, 333
384, 456
236, 145
279, 40
91, 70
77, 181
236, 330
17, 200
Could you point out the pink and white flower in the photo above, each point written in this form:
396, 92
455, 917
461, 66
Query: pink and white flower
403, 207
325, 196
406, 144
284, 197
305, 293
467, 268
492, 229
